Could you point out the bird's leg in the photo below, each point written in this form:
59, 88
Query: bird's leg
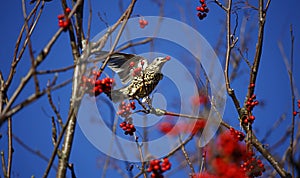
145, 109
147, 100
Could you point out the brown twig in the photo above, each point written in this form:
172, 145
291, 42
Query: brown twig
59, 118
28, 148
3, 163
131, 44
49, 71
54, 152
293, 100
187, 158
258, 50
10, 147
141, 156
229, 45
17, 57
127, 15
74, 46
33, 98
36, 81
39, 59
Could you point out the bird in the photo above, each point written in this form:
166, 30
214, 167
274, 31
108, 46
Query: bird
137, 74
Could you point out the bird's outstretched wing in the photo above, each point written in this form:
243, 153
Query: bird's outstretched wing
123, 64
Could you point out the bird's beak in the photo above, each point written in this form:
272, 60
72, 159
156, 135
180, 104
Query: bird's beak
167, 58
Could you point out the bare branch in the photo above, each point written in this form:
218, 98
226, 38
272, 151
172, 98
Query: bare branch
39, 59
187, 158
229, 46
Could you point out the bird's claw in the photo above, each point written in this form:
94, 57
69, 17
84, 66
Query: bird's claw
158, 112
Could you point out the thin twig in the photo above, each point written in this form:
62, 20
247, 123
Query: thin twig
10, 147
17, 57
220, 4
50, 71
258, 50
128, 13
33, 98
59, 118
131, 44
54, 152
141, 156
34, 152
39, 59
229, 45
185, 154
290, 72
36, 81
3, 163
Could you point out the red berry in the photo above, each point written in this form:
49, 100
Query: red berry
200, 15
202, 1
203, 5
132, 105
156, 167
145, 22
141, 21
168, 58
198, 8
295, 113
68, 10
66, 23
168, 166
156, 162
252, 118
201, 9
61, 16
131, 64
61, 23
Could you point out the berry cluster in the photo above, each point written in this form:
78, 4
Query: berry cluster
203, 10
252, 166
237, 134
157, 167
128, 128
251, 102
63, 21
96, 86
125, 109
248, 119
143, 23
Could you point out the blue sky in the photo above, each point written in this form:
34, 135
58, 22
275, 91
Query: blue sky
33, 124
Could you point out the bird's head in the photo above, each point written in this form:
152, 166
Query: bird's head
160, 61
